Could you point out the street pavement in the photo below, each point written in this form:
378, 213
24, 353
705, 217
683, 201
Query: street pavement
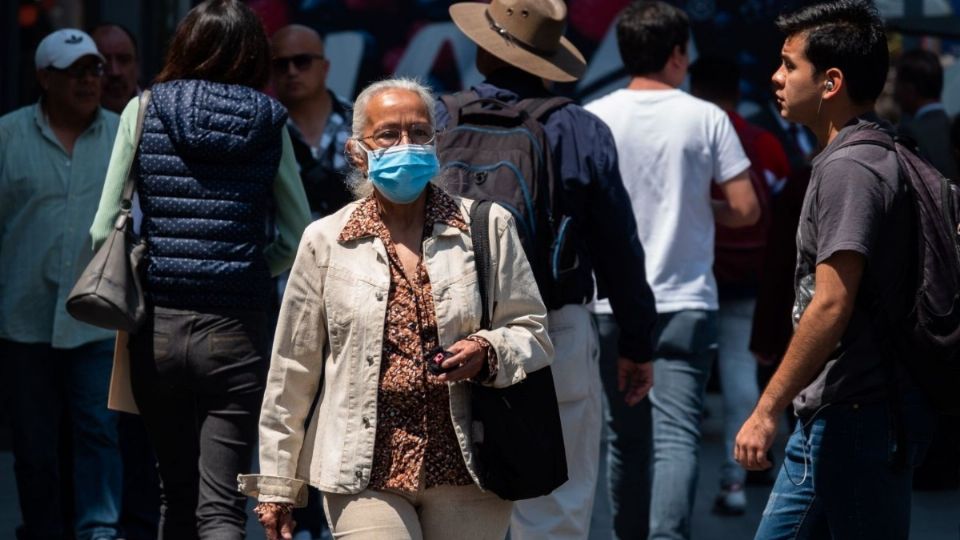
936, 515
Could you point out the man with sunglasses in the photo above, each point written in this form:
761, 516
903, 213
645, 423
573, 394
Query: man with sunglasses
53, 160
319, 121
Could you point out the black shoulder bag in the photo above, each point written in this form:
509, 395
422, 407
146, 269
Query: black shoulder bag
520, 448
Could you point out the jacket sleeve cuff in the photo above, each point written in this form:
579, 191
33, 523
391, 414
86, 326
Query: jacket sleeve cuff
640, 353
275, 489
488, 373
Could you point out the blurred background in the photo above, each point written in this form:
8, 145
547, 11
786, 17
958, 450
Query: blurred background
369, 39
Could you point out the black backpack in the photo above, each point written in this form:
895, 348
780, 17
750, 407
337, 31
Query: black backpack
929, 334
497, 151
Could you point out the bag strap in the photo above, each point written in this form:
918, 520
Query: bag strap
130, 183
480, 234
456, 102
880, 316
539, 108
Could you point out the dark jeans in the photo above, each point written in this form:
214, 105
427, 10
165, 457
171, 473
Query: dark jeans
140, 511
198, 380
42, 383
629, 443
839, 478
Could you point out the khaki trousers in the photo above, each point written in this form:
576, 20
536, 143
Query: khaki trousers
454, 512
565, 513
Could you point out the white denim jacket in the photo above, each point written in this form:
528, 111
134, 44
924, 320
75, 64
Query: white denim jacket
329, 340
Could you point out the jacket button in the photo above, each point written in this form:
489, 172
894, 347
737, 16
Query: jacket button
366, 422
369, 359
359, 474
379, 296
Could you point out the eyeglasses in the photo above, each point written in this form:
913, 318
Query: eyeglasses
416, 134
76, 71
301, 62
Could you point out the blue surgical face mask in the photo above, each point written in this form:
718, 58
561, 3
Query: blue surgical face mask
401, 173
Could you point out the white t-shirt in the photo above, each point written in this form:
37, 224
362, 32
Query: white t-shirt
671, 145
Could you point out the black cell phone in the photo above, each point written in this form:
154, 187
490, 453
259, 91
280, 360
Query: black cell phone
435, 358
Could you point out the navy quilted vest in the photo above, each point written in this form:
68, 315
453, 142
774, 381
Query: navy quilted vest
207, 162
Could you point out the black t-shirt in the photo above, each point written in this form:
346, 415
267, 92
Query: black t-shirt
855, 203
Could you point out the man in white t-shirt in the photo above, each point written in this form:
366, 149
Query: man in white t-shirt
671, 146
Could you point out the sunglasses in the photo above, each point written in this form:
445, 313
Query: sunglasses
301, 62
80, 71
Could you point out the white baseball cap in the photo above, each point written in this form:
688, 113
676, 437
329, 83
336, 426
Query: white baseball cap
63, 47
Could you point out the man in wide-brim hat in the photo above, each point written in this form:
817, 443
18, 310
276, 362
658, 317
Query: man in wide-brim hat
520, 45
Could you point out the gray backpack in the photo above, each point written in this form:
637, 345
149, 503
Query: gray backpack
929, 334
497, 151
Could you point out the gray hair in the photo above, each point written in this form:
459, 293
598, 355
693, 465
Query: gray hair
358, 183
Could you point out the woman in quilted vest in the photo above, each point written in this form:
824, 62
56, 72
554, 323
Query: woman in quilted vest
214, 169
380, 327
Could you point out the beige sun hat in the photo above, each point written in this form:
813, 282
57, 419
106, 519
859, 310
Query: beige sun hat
527, 34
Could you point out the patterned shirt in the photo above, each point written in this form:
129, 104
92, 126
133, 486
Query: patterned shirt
415, 446
323, 168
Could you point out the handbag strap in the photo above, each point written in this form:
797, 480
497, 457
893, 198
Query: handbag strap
130, 184
480, 233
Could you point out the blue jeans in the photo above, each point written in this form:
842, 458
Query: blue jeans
738, 379
629, 443
684, 353
840, 479
44, 382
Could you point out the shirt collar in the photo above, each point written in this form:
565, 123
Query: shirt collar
40, 116
337, 109
928, 108
868, 120
511, 84
440, 209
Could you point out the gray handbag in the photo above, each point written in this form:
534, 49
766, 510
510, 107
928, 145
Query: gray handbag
108, 293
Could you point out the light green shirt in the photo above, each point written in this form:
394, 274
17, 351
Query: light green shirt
290, 200
47, 200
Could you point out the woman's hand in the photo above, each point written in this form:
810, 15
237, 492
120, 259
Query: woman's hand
468, 359
277, 520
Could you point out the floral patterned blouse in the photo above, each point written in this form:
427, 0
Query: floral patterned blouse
416, 446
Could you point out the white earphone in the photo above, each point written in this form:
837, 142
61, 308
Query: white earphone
829, 85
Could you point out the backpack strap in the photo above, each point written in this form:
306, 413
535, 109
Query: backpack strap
456, 102
480, 234
881, 322
539, 108
875, 137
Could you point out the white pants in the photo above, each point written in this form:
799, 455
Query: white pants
565, 513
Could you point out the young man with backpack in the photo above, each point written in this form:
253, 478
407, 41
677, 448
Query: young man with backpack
863, 420
554, 165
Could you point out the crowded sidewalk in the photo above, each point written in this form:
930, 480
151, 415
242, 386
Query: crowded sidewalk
934, 513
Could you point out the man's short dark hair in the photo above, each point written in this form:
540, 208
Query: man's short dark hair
715, 78
647, 33
922, 70
122, 28
847, 35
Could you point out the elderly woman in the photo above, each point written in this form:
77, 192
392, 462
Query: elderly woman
375, 289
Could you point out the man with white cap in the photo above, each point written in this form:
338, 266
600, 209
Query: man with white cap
53, 160
521, 45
